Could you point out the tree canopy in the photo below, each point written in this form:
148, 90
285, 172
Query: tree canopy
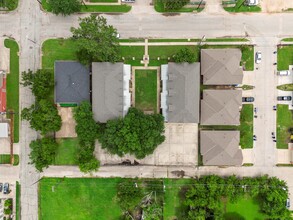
64, 7
185, 55
41, 82
43, 152
87, 130
42, 116
96, 40
136, 133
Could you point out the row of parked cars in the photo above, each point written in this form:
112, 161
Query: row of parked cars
4, 188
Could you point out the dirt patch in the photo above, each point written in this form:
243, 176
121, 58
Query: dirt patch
68, 123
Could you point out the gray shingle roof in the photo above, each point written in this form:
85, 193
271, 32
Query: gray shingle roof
220, 148
221, 66
183, 97
107, 91
221, 107
72, 82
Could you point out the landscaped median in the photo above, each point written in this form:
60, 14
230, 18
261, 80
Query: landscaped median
12, 86
285, 57
284, 126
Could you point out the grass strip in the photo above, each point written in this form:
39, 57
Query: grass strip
12, 86
284, 124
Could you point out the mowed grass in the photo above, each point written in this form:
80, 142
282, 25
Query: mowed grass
284, 123
286, 87
241, 7
159, 7
146, 90
57, 49
12, 86
174, 197
76, 199
106, 8
67, 151
246, 126
245, 208
104, 1
285, 57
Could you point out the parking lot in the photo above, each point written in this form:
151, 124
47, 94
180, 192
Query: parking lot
179, 148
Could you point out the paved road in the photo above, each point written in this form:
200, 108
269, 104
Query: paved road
30, 27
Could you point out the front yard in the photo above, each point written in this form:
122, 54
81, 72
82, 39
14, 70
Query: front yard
146, 90
284, 124
241, 7
285, 57
246, 126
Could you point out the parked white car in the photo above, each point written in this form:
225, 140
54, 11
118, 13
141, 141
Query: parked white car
284, 73
258, 57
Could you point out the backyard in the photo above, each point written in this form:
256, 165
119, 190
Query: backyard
146, 90
12, 86
246, 126
285, 57
284, 124
66, 151
81, 198
244, 208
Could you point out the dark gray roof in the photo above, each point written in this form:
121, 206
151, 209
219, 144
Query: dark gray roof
72, 82
220, 148
221, 107
107, 91
221, 66
183, 97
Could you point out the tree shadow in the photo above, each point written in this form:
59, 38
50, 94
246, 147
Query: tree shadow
233, 216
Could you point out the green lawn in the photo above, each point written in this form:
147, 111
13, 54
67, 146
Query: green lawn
288, 39
12, 86
246, 126
95, 8
146, 90
17, 196
174, 195
246, 208
285, 57
284, 123
9, 5
159, 7
67, 151
5, 159
241, 7
76, 199
106, 8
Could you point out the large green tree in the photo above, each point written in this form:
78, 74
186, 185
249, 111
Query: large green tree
65, 7
41, 82
185, 55
136, 133
43, 152
87, 131
42, 116
96, 40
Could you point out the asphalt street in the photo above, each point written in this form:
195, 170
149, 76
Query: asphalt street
30, 27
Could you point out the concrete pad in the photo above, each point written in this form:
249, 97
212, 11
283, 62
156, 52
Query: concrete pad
4, 146
249, 78
68, 123
179, 148
275, 5
248, 156
4, 57
284, 156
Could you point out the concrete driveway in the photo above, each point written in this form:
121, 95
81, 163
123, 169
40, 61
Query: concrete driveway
179, 148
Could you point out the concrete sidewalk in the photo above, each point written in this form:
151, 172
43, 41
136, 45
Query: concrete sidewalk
4, 56
184, 43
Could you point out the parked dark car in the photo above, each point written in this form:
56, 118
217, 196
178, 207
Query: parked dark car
6, 188
1, 187
247, 99
254, 137
288, 203
284, 98
274, 108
